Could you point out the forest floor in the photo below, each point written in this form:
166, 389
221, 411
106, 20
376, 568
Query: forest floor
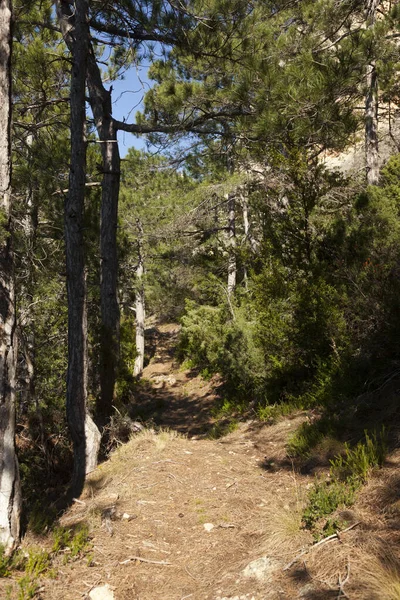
175, 515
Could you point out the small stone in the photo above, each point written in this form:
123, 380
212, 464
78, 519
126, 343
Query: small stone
261, 569
307, 590
208, 526
103, 592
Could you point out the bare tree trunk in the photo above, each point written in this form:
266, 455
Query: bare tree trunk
110, 315
10, 493
100, 101
85, 436
140, 305
371, 107
231, 244
250, 242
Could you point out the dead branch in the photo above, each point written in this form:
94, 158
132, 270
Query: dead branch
145, 560
334, 536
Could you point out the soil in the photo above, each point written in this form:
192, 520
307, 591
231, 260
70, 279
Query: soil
175, 515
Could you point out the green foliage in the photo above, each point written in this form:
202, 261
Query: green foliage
324, 498
125, 380
222, 428
76, 540
4, 563
357, 462
34, 564
216, 341
271, 412
37, 563
27, 587
348, 473
309, 435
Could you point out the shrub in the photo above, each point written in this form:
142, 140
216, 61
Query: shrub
217, 343
348, 473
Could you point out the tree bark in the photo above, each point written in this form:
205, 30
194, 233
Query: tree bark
110, 314
84, 434
10, 493
100, 100
371, 107
250, 242
231, 244
140, 305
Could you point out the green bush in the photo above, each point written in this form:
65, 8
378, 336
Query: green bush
218, 343
348, 473
357, 462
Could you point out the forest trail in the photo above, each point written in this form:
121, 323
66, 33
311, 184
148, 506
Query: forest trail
170, 395
178, 517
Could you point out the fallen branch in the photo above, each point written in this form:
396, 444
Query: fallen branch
334, 536
342, 582
145, 560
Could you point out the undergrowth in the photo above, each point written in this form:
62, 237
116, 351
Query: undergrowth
26, 568
348, 472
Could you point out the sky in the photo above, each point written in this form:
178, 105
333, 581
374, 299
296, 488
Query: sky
127, 97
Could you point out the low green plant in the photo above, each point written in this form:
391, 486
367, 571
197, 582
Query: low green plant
348, 473
61, 537
227, 407
309, 435
324, 498
271, 412
80, 541
221, 429
4, 563
27, 587
37, 562
357, 462
77, 541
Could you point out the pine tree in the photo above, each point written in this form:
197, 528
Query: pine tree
10, 495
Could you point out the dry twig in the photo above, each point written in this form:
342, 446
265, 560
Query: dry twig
334, 536
145, 560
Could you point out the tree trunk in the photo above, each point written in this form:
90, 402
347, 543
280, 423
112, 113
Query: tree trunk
231, 244
110, 315
250, 242
10, 494
140, 306
100, 101
85, 436
371, 107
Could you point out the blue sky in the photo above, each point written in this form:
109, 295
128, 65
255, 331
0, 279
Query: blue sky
127, 99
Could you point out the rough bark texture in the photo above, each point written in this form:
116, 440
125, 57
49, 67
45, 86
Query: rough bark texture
371, 108
82, 429
100, 100
140, 305
10, 494
231, 244
249, 240
110, 316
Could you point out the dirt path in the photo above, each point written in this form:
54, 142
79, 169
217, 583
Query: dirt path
177, 517
170, 395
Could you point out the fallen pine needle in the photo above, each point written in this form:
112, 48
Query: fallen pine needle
334, 536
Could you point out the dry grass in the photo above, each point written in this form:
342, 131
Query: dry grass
380, 576
284, 532
154, 495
